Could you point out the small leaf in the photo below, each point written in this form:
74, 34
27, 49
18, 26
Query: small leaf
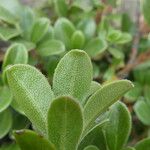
16, 54
77, 39
116, 53
39, 29
96, 47
50, 47
32, 92
62, 115
119, 120
145, 10
5, 98
91, 147
7, 33
143, 145
142, 110
5, 122
125, 38
101, 100
73, 75
29, 140
64, 29
129, 148
113, 35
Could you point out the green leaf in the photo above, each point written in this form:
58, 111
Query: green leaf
64, 29
91, 147
119, 120
73, 75
145, 10
40, 28
116, 53
102, 99
94, 137
77, 39
16, 54
7, 33
129, 148
62, 115
32, 92
96, 47
50, 47
143, 144
5, 123
29, 140
12, 146
125, 38
5, 98
7, 16
142, 110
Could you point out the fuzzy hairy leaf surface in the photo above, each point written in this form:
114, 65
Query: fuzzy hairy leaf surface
29, 140
16, 54
102, 99
65, 123
119, 126
73, 75
143, 145
91, 147
32, 92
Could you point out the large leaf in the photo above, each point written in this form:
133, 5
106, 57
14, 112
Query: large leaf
5, 122
63, 131
50, 47
40, 28
143, 145
16, 54
101, 100
120, 120
91, 147
29, 140
7, 33
73, 75
64, 29
12, 146
142, 110
5, 98
145, 9
32, 92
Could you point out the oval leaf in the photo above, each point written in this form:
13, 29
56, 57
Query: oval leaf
62, 115
143, 145
101, 100
91, 147
32, 92
73, 75
29, 140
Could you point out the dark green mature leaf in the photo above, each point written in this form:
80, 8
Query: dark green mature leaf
91, 147
95, 137
142, 110
73, 75
5, 122
145, 10
5, 98
12, 146
120, 120
50, 47
39, 29
29, 140
32, 92
64, 29
96, 47
101, 100
77, 39
143, 145
63, 131
7, 33
16, 54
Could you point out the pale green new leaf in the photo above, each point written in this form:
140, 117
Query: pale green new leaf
16, 54
29, 140
5, 122
50, 47
39, 29
5, 98
101, 100
119, 120
73, 75
91, 147
32, 92
65, 123
143, 145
